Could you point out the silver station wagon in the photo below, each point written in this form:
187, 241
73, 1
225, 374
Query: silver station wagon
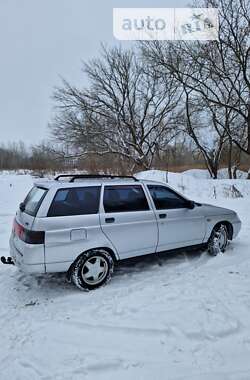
84, 224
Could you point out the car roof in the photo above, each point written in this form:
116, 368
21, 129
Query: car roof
48, 184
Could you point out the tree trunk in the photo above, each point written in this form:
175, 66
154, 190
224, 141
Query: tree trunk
248, 128
229, 165
215, 172
211, 166
235, 172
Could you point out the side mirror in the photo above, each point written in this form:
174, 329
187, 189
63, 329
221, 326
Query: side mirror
22, 207
190, 204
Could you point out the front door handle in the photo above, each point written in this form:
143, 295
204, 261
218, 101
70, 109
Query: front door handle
162, 216
109, 220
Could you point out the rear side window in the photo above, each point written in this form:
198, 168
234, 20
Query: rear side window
76, 201
124, 199
34, 199
165, 198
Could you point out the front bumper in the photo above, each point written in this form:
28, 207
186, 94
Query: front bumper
236, 228
19, 261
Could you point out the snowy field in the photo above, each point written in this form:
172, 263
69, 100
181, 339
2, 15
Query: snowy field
180, 316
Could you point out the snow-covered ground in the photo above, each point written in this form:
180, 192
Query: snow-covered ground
183, 316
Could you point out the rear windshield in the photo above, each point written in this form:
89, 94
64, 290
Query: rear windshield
34, 199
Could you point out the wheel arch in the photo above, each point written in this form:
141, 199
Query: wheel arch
110, 251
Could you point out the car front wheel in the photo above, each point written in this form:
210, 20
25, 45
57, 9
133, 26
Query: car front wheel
92, 269
218, 240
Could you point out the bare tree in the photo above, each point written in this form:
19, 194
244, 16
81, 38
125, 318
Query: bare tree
214, 73
127, 110
201, 123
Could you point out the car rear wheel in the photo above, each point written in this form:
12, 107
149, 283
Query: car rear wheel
92, 269
219, 240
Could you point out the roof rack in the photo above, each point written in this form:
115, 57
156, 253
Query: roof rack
92, 176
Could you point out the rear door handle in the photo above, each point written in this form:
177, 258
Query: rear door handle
162, 216
109, 220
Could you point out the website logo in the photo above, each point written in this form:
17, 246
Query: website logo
165, 23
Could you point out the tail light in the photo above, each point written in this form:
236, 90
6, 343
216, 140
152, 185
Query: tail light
28, 236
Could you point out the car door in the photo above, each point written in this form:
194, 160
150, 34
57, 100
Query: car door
179, 225
128, 220
72, 224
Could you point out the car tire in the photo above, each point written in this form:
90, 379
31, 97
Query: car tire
92, 269
218, 240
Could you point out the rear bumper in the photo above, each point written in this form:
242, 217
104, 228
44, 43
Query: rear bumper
20, 262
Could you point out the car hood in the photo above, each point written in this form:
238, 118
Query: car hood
215, 210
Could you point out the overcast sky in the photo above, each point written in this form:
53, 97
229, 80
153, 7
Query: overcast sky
40, 41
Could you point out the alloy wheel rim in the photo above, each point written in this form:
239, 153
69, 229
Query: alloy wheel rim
222, 239
94, 270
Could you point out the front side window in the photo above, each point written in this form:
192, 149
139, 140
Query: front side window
124, 198
165, 198
33, 200
76, 201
